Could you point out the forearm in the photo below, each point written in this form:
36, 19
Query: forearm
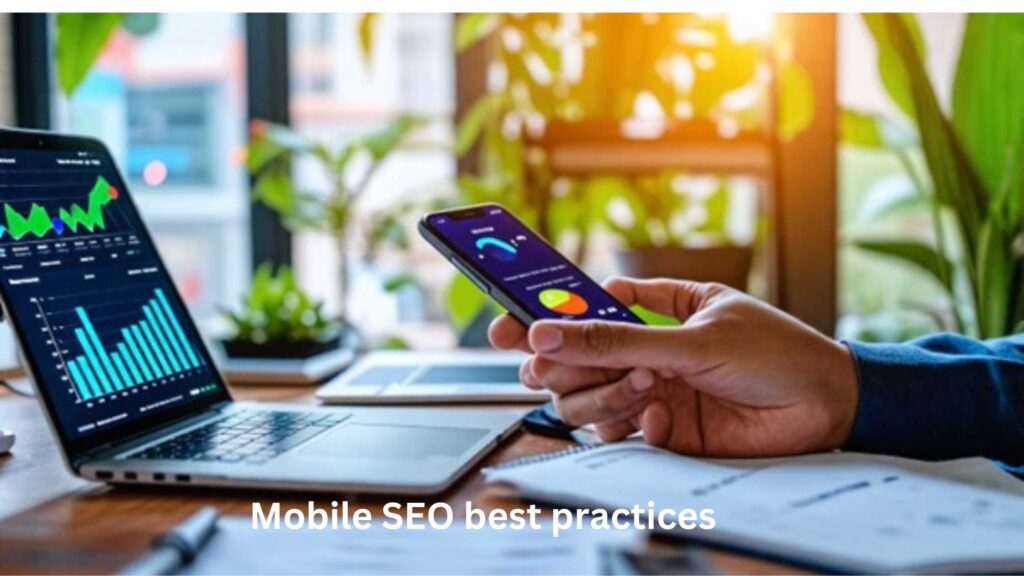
941, 397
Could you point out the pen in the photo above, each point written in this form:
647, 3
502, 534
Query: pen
177, 547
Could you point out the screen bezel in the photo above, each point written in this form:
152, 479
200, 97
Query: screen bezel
45, 141
497, 289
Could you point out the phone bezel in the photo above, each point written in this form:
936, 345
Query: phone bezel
492, 286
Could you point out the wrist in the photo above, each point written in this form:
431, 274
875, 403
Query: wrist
844, 395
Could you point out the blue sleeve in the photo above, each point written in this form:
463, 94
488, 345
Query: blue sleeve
941, 397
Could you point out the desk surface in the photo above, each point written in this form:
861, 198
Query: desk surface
53, 522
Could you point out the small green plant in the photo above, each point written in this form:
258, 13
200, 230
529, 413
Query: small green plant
348, 169
276, 309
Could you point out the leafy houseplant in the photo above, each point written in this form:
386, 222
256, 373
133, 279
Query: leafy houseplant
677, 227
277, 319
974, 156
348, 170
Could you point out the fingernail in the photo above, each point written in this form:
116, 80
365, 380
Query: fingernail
547, 338
641, 380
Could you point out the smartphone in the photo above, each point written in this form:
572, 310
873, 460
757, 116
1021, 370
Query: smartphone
517, 268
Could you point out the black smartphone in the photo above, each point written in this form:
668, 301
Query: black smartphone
517, 268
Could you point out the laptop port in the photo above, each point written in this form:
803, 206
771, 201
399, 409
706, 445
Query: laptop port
182, 478
104, 475
158, 477
131, 476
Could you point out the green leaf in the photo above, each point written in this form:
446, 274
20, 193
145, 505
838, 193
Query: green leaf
472, 27
921, 255
382, 142
868, 130
465, 301
988, 106
80, 39
796, 100
472, 124
994, 281
399, 281
367, 32
891, 66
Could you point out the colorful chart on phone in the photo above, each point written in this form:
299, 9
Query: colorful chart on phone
563, 302
497, 249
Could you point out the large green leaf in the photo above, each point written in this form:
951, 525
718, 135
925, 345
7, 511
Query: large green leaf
953, 178
988, 105
891, 66
916, 253
80, 38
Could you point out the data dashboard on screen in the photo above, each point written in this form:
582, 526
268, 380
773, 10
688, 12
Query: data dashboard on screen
108, 336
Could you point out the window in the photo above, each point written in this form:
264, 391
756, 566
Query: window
339, 93
175, 119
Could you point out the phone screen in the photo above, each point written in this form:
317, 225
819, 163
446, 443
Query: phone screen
523, 267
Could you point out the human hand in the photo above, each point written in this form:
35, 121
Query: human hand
737, 378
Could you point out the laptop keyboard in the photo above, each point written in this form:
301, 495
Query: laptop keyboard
251, 437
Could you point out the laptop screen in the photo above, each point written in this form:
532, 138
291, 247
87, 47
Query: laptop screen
109, 341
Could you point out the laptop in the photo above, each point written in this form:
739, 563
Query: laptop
131, 392
396, 377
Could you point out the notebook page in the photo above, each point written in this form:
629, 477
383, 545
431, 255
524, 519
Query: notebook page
843, 509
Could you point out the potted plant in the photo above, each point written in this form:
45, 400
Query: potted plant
349, 169
676, 226
277, 319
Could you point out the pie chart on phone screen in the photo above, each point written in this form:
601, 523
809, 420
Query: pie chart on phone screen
563, 301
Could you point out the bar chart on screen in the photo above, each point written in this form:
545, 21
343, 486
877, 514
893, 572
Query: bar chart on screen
131, 338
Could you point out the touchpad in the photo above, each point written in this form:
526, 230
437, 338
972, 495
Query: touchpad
394, 442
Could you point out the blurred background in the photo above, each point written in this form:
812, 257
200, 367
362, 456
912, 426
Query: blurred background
781, 154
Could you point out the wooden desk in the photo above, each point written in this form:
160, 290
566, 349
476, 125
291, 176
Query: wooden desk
72, 526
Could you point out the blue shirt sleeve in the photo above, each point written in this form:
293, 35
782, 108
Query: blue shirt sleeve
940, 397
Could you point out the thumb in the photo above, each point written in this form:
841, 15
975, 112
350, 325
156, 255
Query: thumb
613, 344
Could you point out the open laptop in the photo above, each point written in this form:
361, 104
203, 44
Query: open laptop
394, 377
129, 388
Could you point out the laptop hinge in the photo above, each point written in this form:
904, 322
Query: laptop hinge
96, 451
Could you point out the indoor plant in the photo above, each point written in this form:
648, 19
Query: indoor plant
677, 227
277, 319
974, 158
349, 169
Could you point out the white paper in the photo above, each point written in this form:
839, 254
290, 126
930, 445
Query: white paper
839, 509
238, 549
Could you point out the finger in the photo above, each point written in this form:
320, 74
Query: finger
679, 299
614, 430
506, 333
565, 379
656, 423
607, 402
615, 344
526, 374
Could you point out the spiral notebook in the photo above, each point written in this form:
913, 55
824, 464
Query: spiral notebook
835, 511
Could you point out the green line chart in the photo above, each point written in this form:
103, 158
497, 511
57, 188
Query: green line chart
41, 223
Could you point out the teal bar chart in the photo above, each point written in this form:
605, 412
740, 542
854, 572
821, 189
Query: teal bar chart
152, 348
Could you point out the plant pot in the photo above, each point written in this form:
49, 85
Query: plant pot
279, 348
728, 264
